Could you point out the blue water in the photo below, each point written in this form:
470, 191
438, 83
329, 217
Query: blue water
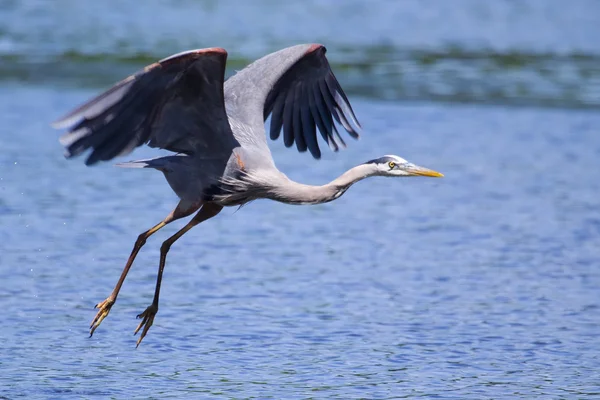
483, 284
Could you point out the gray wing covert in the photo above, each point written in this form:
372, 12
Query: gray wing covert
297, 87
175, 104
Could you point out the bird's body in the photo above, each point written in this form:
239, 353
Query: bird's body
215, 130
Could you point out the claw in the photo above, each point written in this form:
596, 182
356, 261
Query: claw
148, 319
104, 307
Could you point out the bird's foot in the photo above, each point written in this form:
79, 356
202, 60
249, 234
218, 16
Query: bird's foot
147, 320
104, 307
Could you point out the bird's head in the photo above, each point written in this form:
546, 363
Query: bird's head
391, 165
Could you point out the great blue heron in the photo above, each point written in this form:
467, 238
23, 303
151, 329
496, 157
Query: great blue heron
216, 130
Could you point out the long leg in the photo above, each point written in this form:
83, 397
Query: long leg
104, 307
206, 212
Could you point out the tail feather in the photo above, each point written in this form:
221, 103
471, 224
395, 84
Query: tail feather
149, 163
164, 164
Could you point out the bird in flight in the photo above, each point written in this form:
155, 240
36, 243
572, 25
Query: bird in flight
215, 131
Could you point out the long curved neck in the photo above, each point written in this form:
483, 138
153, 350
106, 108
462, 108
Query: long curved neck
297, 193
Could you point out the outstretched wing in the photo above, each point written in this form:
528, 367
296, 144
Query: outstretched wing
298, 89
175, 104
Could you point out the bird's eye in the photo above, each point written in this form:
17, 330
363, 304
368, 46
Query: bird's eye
391, 164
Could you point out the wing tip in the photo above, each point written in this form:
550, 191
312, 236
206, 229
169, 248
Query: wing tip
60, 123
65, 139
66, 121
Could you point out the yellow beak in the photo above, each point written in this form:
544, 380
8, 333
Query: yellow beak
420, 171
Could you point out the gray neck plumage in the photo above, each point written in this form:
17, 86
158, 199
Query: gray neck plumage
290, 192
